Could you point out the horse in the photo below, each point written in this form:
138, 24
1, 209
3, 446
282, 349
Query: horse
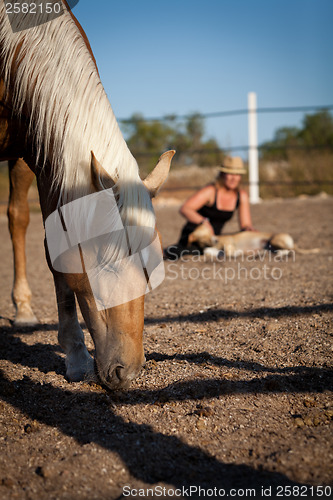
56, 123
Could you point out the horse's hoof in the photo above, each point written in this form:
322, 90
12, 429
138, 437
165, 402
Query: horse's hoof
82, 373
82, 377
25, 321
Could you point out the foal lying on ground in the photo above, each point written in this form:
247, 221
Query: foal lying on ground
233, 245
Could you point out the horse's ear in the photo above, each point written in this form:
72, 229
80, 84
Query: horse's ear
101, 179
158, 176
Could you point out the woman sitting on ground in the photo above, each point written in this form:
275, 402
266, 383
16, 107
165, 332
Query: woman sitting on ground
214, 205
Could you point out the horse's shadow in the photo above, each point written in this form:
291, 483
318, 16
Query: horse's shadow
150, 456
227, 314
45, 357
139, 445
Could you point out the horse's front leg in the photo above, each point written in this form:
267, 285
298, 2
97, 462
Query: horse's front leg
79, 363
20, 179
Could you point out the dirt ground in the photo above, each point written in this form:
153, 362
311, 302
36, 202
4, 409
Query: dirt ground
236, 395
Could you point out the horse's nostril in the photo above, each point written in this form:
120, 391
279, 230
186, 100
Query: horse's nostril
119, 376
119, 372
115, 376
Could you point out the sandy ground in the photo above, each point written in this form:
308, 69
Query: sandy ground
236, 395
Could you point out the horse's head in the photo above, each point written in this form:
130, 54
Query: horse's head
117, 270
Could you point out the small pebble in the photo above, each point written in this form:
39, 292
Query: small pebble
8, 482
201, 423
32, 427
308, 421
329, 413
309, 402
299, 422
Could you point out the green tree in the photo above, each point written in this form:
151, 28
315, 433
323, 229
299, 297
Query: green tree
284, 139
308, 152
148, 139
210, 154
195, 130
317, 130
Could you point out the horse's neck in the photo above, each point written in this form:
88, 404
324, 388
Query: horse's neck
56, 81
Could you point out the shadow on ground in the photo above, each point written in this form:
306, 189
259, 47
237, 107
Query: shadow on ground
150, 456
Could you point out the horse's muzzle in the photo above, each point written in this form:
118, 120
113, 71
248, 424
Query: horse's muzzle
119, 377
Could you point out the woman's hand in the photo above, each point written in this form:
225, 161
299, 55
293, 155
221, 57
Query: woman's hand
248, 228
208, 225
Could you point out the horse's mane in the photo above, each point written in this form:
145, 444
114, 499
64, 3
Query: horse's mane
54, 83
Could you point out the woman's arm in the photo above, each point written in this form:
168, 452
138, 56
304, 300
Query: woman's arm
190, 208
244, 212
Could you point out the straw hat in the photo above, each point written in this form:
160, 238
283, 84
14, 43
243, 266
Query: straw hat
232, 165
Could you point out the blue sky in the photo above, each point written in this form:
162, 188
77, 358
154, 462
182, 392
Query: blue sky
182, 56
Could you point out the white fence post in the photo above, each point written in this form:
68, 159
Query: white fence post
253, 148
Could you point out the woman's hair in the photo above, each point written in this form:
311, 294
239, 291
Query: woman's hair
219, 179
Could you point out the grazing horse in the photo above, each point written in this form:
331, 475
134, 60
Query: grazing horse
54, 113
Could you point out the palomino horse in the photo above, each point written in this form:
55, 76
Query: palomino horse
53, 113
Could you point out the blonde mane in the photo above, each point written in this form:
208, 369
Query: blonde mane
54, 83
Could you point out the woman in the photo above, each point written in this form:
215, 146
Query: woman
214, 205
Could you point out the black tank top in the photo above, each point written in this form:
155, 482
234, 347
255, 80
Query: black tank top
216, 217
